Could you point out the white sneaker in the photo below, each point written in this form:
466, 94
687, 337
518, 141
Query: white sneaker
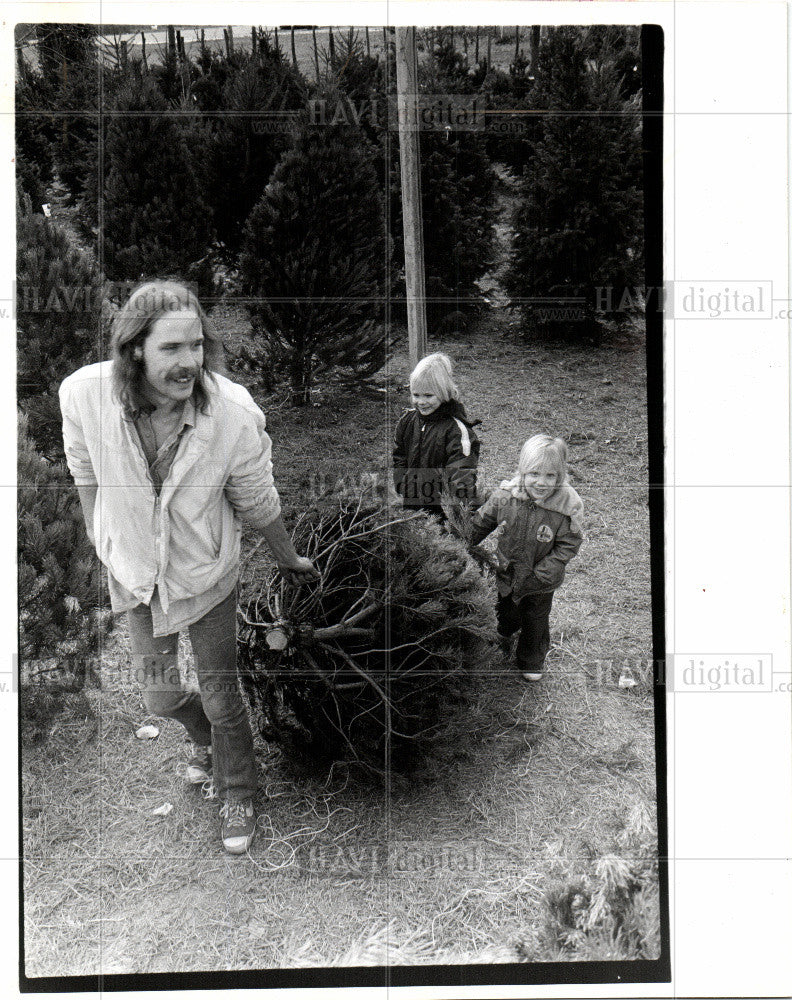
530, 676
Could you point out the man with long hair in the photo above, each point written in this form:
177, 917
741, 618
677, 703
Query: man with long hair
169, 456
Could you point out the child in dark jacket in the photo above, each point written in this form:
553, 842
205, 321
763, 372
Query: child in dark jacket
542, 530
436, 449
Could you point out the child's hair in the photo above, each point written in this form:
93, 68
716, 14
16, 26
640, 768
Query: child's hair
545, 452
434, 374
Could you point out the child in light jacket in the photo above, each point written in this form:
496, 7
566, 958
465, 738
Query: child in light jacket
540, 515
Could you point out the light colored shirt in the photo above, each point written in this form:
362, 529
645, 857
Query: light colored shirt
160, 459
180, 614
176, 550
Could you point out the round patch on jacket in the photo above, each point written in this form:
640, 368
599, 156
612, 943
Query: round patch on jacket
545, 533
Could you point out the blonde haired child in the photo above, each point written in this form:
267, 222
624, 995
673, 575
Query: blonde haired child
435, 449
542, 530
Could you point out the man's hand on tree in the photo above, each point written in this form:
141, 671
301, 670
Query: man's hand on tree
299, 571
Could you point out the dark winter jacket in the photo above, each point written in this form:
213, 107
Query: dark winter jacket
435, 453
536, 542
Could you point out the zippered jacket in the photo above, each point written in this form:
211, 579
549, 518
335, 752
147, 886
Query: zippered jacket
435, 453
187, 539
537, 539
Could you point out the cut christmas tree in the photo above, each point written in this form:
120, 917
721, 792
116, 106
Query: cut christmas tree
373, 663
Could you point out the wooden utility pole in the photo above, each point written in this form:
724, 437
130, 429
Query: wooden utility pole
368, 44
410, 159
293, 48
316, 53
516, 44
489, 49
536, 31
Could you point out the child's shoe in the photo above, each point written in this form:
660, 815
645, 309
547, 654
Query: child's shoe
532, 675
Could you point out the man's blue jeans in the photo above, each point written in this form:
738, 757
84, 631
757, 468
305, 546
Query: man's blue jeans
215, 714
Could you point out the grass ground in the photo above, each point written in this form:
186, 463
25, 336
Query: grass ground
547, 805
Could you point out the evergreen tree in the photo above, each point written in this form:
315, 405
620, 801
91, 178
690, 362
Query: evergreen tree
579, 224
58, 320
458, 207
457, 178
33, 127
457, 198
213, 69
157, 219
452, 66
61, 598
61, 47
376, 666
76, 135
71, 69
620, 47
511, 133
316, 255
173, 76
362, 80
248, 139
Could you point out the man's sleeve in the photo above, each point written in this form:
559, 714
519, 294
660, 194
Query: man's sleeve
77, 457
250, 487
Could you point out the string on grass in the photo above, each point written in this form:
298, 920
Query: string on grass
368, 664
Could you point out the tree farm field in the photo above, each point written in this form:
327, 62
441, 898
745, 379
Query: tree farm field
533, 839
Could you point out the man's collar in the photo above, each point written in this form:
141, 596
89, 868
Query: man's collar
188, 414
